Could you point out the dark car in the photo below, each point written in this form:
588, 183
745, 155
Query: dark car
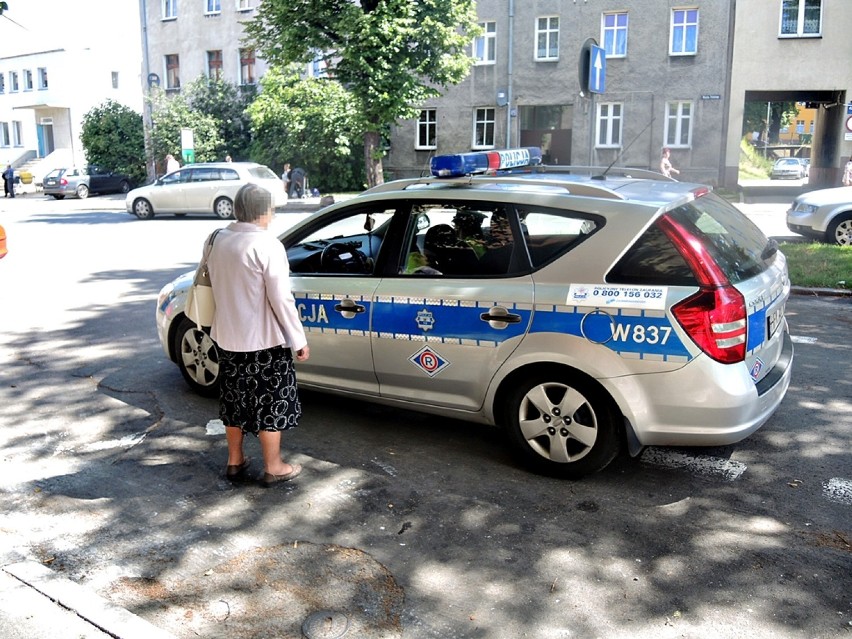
79, 182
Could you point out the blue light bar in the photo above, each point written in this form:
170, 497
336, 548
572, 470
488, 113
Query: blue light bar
462, 164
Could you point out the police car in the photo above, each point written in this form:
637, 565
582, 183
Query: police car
583, 310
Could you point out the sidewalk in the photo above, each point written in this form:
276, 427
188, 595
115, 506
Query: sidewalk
38, 603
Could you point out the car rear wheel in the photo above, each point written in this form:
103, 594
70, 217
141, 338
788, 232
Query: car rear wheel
840, 230
224, 208
142, 209
197, 358
124, 187
82, 191
563, 425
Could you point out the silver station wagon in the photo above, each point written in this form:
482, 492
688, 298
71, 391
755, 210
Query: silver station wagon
584, 311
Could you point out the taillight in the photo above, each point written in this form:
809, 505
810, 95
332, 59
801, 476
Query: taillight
63, 182
715, 317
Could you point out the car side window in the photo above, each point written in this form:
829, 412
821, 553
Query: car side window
204, 174
228, 174
348, 244
550, 233
462, 239
177, 177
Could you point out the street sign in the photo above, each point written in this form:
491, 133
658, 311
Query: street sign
597, 69
848, 135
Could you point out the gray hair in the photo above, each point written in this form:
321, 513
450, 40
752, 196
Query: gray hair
252, 203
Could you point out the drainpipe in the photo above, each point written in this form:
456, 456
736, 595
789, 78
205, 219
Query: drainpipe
147, 122
509, 72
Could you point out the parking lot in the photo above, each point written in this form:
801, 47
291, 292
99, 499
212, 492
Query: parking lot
407, 525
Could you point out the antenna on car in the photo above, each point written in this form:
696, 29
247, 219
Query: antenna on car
602, 176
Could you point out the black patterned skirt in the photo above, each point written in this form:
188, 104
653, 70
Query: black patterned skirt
258, 390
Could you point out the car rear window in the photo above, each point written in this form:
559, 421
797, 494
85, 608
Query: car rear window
262, 173
738, 247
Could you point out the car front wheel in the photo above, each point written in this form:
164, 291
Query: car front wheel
142, 209
124, 187
197, 358
224, 208
840, 230
82, 191
563, 425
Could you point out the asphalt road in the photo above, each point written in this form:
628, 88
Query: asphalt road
403, 525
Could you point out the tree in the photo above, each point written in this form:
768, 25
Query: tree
227, 104
169, 115
390, 55
780, 114
113, 137
309, 123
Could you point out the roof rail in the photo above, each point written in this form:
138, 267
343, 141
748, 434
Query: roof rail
600, 172
574, 188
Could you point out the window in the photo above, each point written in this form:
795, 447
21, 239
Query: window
615, 34
483, 130
13, 81
172, 72
28, 80
214, 65
684, 36
4, 134
247, 66
678, 124
114, 76
550, 233
42, 78
547, 38
485, 46
18, 133
609, 124
801, 18
2, 83
213, 6
427, 130
243, 5
169, 9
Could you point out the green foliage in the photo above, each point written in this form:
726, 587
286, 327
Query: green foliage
169, 115
311, 123
227, 104
113, 137
391, 55
817, 265
753, 166
3, 7
780, 114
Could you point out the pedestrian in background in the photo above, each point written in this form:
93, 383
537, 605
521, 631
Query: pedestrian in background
9, 181
847, 173
666, 167
171, 163
285, 177
257, 329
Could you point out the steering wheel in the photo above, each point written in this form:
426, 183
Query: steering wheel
343, 257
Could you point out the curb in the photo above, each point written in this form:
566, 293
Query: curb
821, 292
92, 608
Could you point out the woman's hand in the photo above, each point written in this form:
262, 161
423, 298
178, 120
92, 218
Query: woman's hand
303, 354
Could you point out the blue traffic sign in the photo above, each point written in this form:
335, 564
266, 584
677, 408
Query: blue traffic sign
597, 69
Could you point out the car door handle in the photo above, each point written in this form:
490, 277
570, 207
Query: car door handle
349, 308
499, 314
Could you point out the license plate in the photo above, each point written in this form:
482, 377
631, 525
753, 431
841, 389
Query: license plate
773, 321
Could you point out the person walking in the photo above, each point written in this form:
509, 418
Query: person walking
666, 167
257, 330
9, 181
171, 163
847, 173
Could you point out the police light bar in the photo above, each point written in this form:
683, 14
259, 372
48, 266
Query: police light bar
462, 164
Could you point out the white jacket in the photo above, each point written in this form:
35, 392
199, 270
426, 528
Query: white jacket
255, 308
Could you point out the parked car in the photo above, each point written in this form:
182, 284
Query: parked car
83, 182
824, 214
203, 188
3, 249
791, 168
580, 313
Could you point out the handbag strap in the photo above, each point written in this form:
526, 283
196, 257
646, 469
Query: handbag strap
202, 265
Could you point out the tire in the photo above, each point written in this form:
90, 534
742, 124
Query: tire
554, 441
59, 197
223, 208
840, 230
82, 191
197, 358
124, 187
142, 209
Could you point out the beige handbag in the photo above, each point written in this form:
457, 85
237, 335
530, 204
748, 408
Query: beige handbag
200, 305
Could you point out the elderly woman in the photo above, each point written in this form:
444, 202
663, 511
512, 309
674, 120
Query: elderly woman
257, 330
